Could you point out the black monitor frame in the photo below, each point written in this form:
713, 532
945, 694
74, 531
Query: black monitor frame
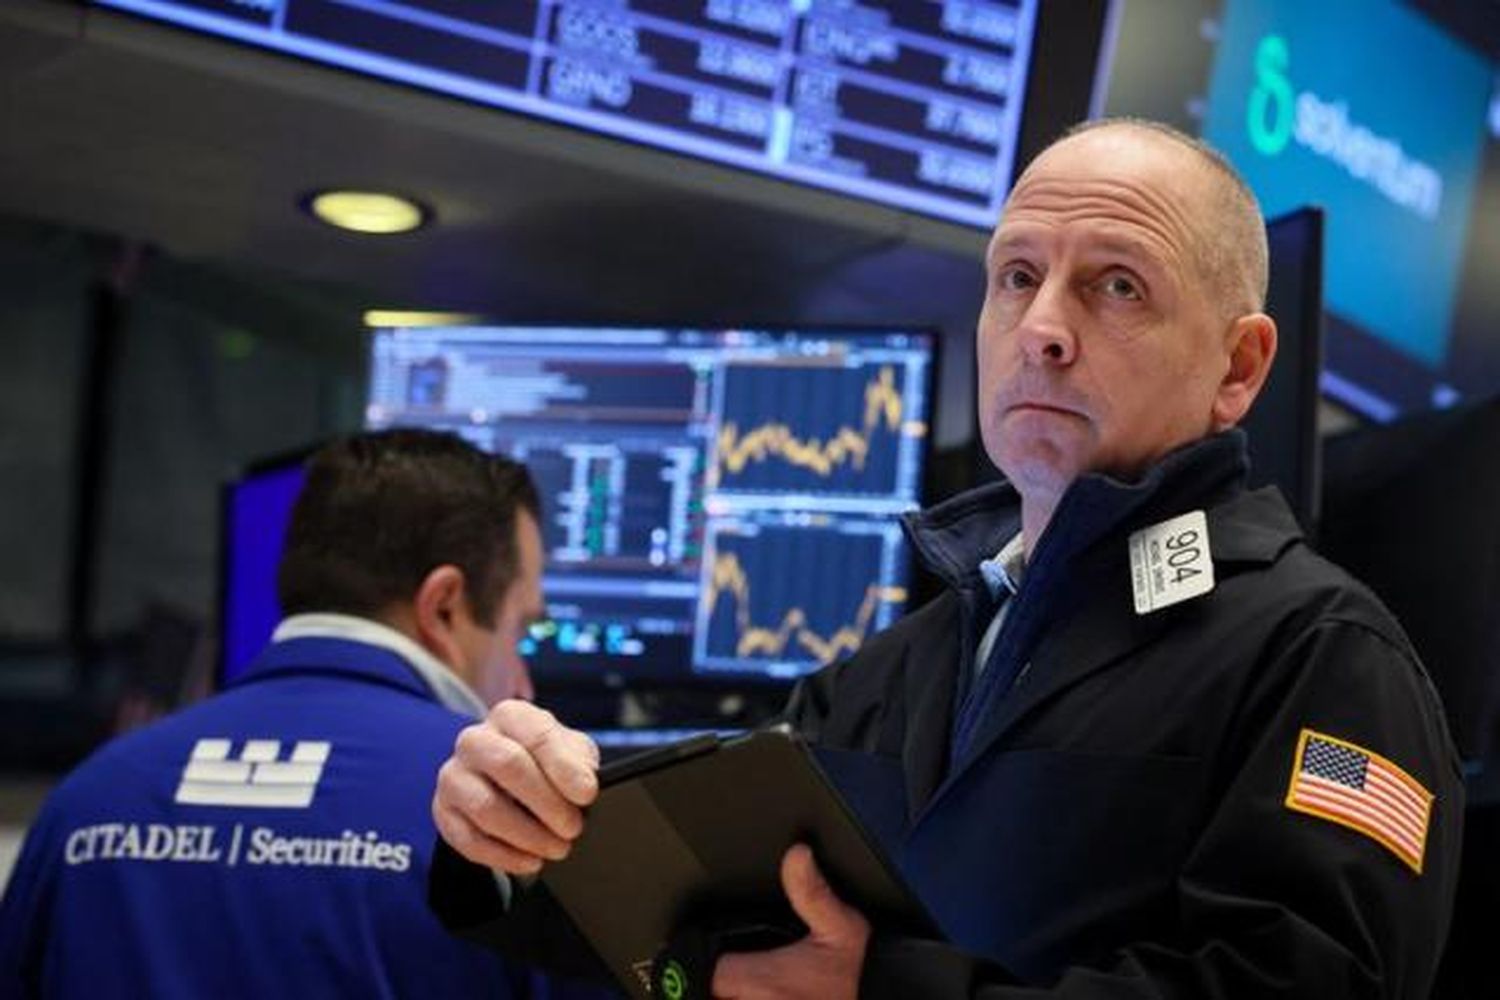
1289, 401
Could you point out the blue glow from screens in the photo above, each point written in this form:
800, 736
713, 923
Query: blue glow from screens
715, 502
915, 106
1387, 135
259, 510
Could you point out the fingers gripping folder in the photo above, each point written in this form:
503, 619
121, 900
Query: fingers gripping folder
681, 854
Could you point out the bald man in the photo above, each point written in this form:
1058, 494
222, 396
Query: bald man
1149, 743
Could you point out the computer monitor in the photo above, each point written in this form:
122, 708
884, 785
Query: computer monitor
255, 510
926, 107
720, 505
1406, 166
1283, 423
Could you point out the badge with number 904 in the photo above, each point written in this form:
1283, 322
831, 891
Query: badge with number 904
1170, 562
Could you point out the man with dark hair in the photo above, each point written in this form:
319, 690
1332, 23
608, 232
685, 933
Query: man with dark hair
274, 840
1148, 743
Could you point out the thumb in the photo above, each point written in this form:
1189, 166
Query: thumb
812, 898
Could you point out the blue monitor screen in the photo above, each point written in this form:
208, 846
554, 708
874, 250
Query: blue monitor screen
257, 510
1392, 137
717, 503
912, 104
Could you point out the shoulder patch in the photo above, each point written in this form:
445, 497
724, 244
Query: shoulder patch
1344, 783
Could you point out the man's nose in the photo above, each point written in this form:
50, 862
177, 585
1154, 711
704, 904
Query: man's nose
1045, 333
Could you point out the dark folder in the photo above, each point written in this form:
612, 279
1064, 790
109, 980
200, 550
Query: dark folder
694, 833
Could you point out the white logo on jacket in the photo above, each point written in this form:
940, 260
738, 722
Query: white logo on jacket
258, 777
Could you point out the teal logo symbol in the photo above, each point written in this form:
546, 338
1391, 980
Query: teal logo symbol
1271, 110
673, 983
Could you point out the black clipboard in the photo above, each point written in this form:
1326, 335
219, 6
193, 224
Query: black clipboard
695, 831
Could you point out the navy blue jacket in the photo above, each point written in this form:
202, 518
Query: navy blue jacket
1113, 821
1118, 823
272, 841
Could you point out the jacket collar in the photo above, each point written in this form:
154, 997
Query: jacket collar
955, 536
446, 686
1093, 625
351, 659
1079, 575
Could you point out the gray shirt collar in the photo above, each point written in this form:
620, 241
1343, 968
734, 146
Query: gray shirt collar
446, 686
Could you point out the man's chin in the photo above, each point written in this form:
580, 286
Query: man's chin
1042, 469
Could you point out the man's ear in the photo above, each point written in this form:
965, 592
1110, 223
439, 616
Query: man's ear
1251, 341
438, 608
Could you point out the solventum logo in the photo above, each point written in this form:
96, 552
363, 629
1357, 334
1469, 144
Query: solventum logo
1277, 114
1271, 100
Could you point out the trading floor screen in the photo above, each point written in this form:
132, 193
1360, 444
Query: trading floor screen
916, 105
716, 502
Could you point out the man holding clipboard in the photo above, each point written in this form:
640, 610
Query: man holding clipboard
1148, 744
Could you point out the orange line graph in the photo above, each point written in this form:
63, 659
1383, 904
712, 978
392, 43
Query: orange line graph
847, 445
729, 577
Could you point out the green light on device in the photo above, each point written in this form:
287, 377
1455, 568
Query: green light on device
673, 981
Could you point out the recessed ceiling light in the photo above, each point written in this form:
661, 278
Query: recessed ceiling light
410, 317
367, 211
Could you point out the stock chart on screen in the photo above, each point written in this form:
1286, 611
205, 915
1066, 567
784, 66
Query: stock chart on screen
840, 434
822, 587
716, 502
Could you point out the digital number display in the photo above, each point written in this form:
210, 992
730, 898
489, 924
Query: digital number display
910, 103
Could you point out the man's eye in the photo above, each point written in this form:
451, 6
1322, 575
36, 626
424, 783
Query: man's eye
1015, 279
1118, 286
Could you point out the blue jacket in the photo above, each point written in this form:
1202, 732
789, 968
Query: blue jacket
272, 841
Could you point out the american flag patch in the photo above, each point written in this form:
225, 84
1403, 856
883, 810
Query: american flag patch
1338, 781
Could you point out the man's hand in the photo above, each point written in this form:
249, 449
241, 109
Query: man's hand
511, 796
824, 965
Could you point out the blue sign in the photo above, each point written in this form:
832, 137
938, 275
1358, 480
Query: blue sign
1368, 109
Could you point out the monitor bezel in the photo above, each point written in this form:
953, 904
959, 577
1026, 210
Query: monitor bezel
1309, 223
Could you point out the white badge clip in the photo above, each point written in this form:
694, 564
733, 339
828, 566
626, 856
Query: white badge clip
1170, 562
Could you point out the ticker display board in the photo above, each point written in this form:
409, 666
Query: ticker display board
910, 103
